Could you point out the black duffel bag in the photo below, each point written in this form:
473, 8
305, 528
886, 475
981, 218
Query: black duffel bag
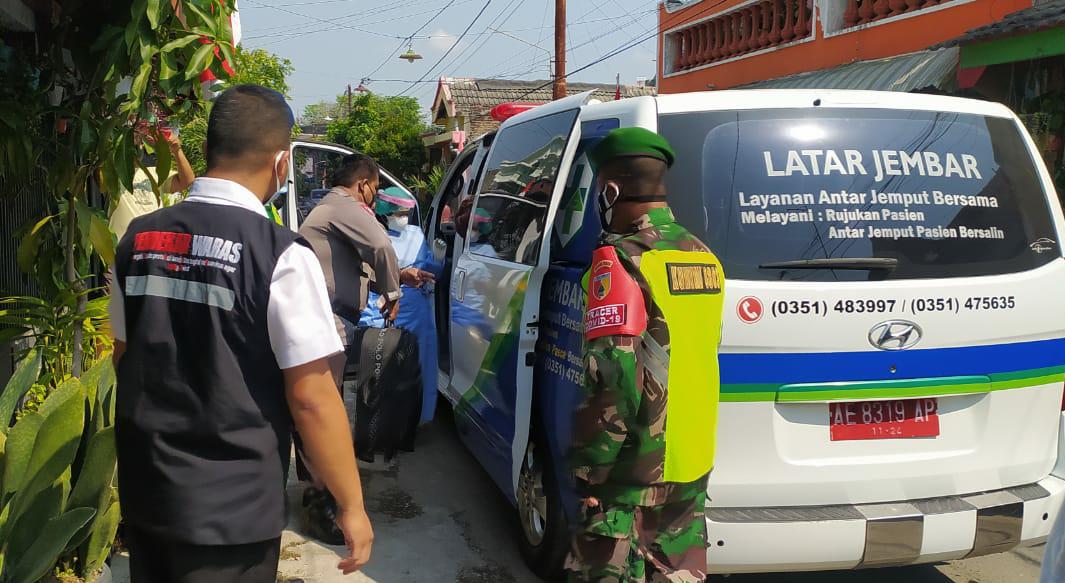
385, 405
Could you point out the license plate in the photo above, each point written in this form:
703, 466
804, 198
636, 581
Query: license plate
884, 419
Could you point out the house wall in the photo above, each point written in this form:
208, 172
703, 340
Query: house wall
830, 45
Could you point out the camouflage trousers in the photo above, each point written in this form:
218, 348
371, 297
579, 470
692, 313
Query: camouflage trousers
629, 544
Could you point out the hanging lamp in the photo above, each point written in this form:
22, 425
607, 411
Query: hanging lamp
410, 55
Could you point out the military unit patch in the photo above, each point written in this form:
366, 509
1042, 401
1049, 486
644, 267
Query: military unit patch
601, 285
693, 278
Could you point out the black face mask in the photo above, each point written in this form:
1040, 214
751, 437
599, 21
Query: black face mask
606, 211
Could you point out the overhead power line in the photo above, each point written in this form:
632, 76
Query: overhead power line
292, 4
627, 46
451, 48
524, 69
474, 48
335, 24
413, 34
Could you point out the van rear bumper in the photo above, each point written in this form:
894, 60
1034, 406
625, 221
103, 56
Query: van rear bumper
813, 538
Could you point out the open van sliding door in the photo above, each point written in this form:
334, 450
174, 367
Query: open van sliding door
445, 242
310, 166
495, 288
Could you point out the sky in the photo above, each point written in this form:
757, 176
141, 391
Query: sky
333, 43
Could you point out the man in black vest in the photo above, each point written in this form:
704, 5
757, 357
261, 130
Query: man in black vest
223, 334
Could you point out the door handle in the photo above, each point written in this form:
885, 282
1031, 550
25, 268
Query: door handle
460, 284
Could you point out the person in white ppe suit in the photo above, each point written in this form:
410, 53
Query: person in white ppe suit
416, 307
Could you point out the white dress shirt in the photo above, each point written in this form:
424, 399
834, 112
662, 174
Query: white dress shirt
299, 315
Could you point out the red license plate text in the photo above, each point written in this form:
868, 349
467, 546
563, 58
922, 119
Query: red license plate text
884, 419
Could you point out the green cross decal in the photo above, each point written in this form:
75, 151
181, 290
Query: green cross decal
575, 204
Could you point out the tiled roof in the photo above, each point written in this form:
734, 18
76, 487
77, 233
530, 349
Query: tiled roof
474, 98
1046, 14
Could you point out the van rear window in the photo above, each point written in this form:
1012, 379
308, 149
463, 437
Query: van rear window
941, 194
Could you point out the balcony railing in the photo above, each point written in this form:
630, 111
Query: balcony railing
755, 27
866, 11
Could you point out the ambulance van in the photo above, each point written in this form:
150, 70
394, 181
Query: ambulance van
893, 353
311, 164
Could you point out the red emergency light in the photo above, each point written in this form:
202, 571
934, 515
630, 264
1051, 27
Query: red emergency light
505, 111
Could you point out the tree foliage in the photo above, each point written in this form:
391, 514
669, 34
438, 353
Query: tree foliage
385, 127
261, 67
255, 66
322, 113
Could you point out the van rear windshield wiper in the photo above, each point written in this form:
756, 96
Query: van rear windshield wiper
870, 263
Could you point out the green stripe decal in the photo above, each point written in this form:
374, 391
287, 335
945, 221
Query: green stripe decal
890, 389
1027, 374
1022, 383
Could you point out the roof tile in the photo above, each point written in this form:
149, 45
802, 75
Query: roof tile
1047, 14
475, 98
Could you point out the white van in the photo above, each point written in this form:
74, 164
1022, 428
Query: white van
893, 354
311, 163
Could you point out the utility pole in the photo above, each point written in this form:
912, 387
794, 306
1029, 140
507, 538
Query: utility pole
559, 89
349, 100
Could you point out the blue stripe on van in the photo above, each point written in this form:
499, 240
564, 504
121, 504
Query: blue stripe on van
818, 367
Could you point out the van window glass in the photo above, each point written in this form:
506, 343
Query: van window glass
943, 194
576, 228
313, 167
508, 220
450, 199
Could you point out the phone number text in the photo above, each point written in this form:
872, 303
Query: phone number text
822, 308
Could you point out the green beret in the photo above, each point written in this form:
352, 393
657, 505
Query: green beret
630, 142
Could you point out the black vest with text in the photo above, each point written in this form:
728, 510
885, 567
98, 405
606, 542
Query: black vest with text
202, 425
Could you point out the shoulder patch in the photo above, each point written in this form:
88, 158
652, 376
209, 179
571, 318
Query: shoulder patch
615, 301
693, 278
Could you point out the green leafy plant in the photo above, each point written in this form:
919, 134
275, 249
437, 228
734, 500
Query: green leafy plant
55, 326
84, 94
428, 185
58, 503
102, 71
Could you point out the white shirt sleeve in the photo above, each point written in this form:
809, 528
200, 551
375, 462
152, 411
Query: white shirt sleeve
117, 309
299, 315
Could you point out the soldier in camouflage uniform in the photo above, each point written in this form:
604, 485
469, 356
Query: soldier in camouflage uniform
642, 465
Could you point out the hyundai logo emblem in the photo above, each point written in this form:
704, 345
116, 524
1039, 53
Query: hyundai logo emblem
895, 335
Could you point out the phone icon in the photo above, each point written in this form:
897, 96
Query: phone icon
749, 309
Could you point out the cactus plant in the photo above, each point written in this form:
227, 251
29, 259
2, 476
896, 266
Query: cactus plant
57, 467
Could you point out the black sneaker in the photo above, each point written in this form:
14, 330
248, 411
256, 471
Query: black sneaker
320, 511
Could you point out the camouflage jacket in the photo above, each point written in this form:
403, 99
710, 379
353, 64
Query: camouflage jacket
618, 451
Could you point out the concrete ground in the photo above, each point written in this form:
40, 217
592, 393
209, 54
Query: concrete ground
439, 518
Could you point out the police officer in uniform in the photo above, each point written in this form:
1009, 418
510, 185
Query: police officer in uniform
356, 257
223, 334
644, 432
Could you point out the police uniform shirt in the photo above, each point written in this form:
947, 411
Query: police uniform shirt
349, 242
213, 301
